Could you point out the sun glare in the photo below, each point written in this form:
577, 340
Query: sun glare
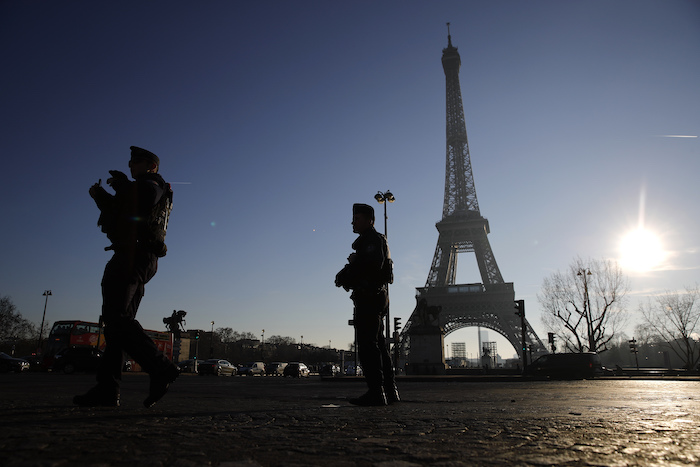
641, 250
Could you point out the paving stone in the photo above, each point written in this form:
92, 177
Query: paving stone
250, 422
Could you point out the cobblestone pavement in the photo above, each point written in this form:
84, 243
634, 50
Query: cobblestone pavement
260, 421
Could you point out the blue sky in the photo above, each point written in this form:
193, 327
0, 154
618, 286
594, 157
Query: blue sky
273, 118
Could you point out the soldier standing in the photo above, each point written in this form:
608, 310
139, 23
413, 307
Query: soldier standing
134, 219
367, 273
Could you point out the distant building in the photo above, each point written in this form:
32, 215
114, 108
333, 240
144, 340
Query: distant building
459, 350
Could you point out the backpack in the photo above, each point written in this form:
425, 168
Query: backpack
157, 223
387, 272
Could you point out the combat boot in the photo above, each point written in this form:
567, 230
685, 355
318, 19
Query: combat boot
160, 382
98, 397
373, 397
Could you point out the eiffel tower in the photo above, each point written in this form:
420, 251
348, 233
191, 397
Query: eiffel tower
443, 304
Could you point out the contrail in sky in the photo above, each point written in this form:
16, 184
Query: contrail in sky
677, 136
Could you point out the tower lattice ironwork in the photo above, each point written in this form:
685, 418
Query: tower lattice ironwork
463, 229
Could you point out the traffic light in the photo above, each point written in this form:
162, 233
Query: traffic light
397, 324
552, 338
520, 308
520, 311
633, 349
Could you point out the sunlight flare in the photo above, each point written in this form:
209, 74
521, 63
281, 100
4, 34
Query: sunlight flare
641, 250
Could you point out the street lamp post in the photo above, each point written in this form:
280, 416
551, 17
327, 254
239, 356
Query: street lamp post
262, 346
587, 306
43, 318
211, 341
384, 198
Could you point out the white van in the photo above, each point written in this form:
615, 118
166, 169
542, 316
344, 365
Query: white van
252, 368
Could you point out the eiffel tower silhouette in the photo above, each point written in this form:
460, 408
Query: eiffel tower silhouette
442, 304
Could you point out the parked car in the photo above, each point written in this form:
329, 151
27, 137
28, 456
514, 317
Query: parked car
350, 370
187, 366
330, 369
217, 367
296, 370
584, 365
275, 368
34, 361
8, 363
252, 368
74, 359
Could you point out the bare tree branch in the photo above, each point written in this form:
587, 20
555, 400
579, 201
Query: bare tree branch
674, 317
12, 326
584, 306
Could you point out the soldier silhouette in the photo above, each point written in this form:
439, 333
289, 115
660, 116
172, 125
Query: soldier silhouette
134, 219
367, 274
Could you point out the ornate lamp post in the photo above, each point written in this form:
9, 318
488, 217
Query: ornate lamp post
384, 198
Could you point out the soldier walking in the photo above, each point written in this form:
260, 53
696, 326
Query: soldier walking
135, 220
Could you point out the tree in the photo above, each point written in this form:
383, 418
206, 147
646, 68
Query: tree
281, 341
674, 317
584, 305
242, 336
225, 335
644, 335
14, 328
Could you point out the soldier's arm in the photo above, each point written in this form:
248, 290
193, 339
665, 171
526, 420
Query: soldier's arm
365, 269
102, 198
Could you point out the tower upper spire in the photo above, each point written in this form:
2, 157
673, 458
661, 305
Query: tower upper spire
462, 228
450, 56
460, 193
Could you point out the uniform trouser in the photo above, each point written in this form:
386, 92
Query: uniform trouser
123, 286
370, 310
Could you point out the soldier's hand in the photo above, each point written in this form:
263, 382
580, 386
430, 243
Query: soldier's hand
340, 279
95, 187
116, 177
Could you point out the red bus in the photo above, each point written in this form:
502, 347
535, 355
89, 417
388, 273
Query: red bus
66, 334
75, 333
